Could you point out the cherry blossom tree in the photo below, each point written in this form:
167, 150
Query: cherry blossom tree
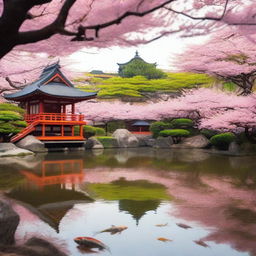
228, 55
209, 108
54, 23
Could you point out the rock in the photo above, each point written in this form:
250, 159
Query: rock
163, 142
125, 139
9, 221
33, 247
93, 143
143, 139
198, 141
234, 148
31, 143
9, 149
150, 142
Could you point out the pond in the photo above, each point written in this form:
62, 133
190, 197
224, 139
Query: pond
173, 202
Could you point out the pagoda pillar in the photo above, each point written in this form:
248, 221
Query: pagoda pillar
41, 107
73, 108
81, 130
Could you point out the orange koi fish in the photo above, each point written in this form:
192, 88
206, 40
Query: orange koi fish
164, 239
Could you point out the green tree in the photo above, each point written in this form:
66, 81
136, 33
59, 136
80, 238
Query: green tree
11, 120
140, 68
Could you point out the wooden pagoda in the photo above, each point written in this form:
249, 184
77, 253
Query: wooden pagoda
136, 58
50, 107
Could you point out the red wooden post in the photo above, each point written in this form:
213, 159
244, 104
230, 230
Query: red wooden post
41, 107
43, 130
72, 130
81, 130
62, 130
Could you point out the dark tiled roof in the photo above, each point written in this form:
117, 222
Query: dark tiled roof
52, 88
141, 123
136, 57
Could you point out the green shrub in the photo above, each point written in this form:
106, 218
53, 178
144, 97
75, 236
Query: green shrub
11, 120
107, 141
157, 127
182, 123
208, 133
7, 128
222, 140
11, 107
90, 131
174, 133
6, 115
19, 123
99, 131
113, 125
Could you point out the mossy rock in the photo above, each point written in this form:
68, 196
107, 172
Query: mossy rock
107, 141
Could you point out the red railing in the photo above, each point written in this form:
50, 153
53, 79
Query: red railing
53, 117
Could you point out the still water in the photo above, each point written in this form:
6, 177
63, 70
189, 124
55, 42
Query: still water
60, 196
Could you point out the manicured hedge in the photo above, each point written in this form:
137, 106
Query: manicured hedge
222, 140
157, 127
182, 123
175, 133
90, 131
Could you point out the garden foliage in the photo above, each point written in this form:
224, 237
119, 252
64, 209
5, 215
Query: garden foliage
11, 120
222, 140
174, 133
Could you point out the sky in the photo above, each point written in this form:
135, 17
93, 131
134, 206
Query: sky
161, 51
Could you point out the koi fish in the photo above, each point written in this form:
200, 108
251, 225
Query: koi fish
90, 242
161, 225
164, 239
114, 229
183, 225
201, 243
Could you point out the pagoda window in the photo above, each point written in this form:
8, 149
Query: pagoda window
34, 109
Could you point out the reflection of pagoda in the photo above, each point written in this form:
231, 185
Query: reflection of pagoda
52, 189
138, 208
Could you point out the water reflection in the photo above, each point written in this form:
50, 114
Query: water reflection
81, 193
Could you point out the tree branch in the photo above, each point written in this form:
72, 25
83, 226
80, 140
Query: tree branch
57, 26
202, 17
118, 20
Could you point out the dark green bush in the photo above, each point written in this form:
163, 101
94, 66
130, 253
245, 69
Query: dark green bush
208, 133
11, 120
157, 127
222, 140
7, 115
174, 133
99, 131
90, 131
182, 123
113, 125
11, 107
